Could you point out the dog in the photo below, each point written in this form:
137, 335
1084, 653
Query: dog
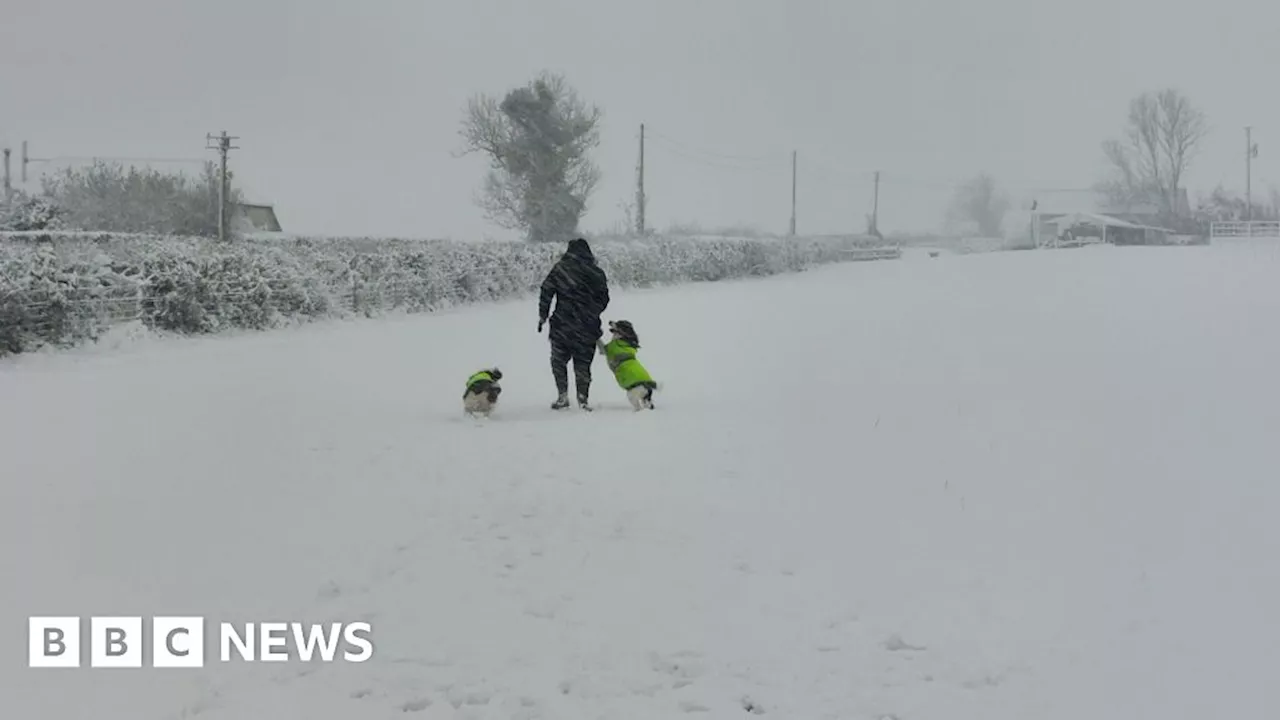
481, 395
620, 353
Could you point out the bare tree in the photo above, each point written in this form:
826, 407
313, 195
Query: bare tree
980, 206
537, 139
1163, 134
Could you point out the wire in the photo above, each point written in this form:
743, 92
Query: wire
722, 165
814, 164
687, 147
110, 158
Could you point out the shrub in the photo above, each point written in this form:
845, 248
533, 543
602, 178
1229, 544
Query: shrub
59, 289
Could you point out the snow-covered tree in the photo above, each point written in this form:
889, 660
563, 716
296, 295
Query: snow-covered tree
537, 139
30, 213
108, 197
979, 207
1163, 134
1222, 206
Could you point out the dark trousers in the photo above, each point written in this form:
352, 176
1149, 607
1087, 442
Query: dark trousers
581, 352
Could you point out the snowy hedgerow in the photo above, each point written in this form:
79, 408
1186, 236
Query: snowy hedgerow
31, 213
60, 299
64, 288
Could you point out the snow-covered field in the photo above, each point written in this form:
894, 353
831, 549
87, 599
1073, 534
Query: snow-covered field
1037, 485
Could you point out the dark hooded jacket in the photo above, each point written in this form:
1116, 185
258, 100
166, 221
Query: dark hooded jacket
581, 292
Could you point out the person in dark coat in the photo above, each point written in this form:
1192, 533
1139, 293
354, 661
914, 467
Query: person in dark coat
581, 291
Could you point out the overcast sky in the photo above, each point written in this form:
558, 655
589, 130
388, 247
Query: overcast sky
348, 112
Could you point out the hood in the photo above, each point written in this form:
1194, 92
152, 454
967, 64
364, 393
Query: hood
579, 249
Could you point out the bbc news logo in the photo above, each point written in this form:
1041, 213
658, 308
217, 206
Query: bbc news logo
179, 642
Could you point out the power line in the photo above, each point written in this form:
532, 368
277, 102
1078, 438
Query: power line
689, 147
716, 163
713, 158
832, 174
110, 158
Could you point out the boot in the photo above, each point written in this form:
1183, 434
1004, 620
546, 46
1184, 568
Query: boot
561, 402
582, 403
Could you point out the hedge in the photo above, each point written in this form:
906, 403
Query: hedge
65, 289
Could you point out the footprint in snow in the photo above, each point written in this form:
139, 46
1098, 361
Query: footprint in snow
685, 665
986, 681
693, 707
544, 609
840, 622
416, 705
895, 643
361, 694
458, 697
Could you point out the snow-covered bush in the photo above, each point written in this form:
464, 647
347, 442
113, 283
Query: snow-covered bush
64, 288
31, 213
49, 297
110, 197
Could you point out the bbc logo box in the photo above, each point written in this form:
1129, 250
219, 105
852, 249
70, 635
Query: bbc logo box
115, 642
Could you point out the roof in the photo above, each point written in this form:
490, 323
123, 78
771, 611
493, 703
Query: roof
1098, 220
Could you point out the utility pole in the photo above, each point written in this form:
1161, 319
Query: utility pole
223, 146
1250, 152
793, 193
26, 160
640, 188
875, 207
1035, 203
8, 184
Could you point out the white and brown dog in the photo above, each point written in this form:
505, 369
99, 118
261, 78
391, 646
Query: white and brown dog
481, 395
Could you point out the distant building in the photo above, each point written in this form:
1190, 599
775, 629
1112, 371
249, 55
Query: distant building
1090, 218
254, 217
1075, 229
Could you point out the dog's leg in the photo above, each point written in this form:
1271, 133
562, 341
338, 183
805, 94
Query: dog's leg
636, 397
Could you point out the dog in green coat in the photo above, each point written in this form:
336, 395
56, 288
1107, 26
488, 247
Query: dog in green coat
481, 395
620, 353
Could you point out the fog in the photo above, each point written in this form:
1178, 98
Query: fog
348, 113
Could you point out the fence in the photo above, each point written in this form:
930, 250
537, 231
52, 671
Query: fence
887, 252
1246, 229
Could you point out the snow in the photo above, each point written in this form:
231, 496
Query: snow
1014, 485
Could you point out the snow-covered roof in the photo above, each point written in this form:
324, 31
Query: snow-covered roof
1098, 220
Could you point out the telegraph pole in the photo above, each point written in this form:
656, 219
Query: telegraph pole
875, 206
8, 184
640, 188
1249, 152
26, 160
793, 193
222, 144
